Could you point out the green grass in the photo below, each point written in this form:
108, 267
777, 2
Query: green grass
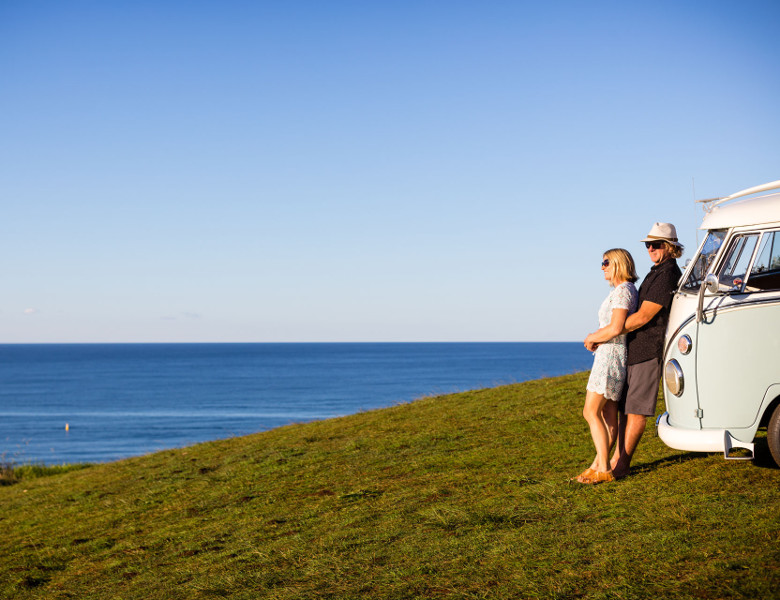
11, 474
459, 496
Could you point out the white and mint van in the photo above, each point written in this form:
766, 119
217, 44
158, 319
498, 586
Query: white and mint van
721, 377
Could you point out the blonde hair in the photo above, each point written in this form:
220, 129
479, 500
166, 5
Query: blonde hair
674, 251
624, 264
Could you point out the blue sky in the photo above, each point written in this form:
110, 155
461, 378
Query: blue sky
360, 171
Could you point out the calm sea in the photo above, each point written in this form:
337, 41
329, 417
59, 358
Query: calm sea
121, 400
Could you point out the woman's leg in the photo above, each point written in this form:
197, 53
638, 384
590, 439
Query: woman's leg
610, 413
599, 430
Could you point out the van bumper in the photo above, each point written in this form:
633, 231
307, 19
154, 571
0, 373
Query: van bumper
700, 440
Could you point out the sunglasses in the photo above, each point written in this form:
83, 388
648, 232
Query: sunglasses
654, 245
605, 262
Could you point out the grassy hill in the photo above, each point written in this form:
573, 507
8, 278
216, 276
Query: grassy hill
459, 496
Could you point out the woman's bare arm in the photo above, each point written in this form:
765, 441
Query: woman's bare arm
613, 329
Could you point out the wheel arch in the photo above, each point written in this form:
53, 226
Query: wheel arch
770, 408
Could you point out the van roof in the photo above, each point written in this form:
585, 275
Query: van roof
722, 213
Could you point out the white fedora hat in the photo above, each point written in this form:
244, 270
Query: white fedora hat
664, 232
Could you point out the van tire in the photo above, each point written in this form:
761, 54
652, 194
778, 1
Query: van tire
773, 435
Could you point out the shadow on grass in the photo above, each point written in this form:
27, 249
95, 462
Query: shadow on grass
666, 461
762, 457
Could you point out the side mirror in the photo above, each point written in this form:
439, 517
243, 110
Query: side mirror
711, 283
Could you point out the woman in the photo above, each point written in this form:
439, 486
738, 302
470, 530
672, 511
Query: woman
609, 364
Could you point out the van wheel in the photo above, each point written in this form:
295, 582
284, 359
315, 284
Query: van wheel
773, 435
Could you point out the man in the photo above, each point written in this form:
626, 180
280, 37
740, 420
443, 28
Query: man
646, 329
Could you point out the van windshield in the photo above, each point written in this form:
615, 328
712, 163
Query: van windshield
704, 260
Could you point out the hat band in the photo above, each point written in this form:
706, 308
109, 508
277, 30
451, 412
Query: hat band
658, 237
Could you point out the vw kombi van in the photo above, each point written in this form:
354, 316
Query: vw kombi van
721, 377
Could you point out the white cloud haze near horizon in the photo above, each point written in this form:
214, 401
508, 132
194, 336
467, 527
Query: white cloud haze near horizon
410, 171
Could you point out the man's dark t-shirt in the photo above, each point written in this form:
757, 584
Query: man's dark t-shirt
647, 342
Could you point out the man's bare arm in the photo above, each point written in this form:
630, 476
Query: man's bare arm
642, 317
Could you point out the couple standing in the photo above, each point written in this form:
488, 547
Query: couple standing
628, 349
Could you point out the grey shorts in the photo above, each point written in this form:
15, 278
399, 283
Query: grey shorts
640, 394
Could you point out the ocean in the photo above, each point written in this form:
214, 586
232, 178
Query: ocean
69, 403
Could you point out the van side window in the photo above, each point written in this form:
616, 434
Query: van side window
732, 275
765, 274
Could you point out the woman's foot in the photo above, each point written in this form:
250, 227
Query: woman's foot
600, 477
585, 476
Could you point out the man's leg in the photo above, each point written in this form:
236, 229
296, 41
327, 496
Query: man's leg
641, 394
620, 430
630, 429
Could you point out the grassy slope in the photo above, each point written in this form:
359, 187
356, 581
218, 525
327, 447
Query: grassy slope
460, 496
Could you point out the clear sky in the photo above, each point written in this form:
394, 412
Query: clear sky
191, 171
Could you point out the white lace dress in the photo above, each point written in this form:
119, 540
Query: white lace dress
609, 362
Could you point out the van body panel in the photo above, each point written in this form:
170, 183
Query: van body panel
736, 361
682, 312
683, 408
